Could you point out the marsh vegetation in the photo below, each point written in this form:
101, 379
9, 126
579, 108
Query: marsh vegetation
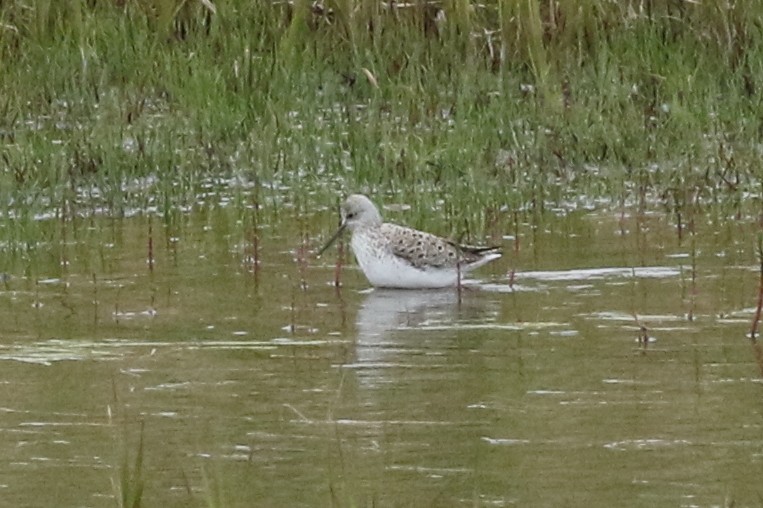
167, 168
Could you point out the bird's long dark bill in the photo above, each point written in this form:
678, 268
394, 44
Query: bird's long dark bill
332, 239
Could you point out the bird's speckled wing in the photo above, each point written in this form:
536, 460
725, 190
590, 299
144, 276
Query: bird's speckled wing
425, 250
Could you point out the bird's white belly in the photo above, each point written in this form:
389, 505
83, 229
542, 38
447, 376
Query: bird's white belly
384, 269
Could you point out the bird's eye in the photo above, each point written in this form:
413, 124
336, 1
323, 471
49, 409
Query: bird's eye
351, 215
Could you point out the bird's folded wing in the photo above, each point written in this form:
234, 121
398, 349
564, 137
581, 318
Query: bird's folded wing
420, 249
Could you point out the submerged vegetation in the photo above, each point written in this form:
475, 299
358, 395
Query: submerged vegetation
478, 108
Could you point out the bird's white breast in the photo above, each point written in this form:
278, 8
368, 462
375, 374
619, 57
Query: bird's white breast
383, 269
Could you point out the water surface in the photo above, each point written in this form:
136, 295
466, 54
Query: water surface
534, 386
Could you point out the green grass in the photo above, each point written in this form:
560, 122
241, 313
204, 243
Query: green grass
511, 105
129, 486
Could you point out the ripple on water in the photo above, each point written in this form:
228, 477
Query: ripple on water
58, 350
504, 441
656, 272
645, 444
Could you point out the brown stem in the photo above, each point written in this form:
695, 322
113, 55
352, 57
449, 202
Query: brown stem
338, 265
515, 252
693, 293
256, 231
643, 333
759, 306
150, 245
302, 261
458, 281
756, 348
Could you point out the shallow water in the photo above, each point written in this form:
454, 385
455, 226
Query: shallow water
273, 388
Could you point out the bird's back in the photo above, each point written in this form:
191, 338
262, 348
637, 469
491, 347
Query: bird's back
425, 250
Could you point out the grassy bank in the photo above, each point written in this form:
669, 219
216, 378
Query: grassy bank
512, 105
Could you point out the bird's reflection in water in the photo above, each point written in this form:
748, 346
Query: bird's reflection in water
385, 310
399, 328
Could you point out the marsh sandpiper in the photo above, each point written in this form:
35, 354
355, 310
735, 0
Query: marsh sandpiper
395, 256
